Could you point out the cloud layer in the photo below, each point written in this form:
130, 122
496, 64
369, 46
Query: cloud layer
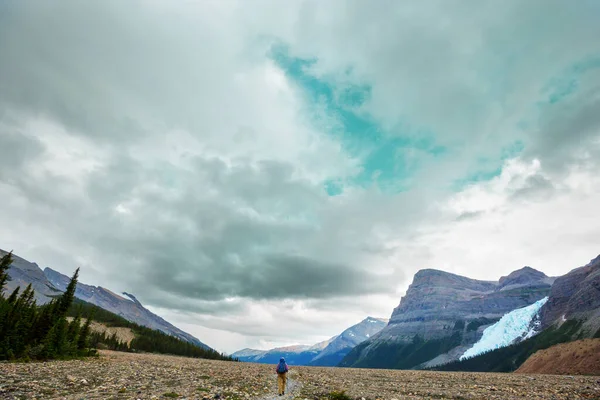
239, 167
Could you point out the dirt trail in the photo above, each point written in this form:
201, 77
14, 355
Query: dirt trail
292, 391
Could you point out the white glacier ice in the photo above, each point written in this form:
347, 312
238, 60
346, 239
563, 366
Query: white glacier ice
513, 325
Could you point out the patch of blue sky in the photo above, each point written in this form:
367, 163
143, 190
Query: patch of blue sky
568, 82
387, 157
480, 175
488, 168
512, 150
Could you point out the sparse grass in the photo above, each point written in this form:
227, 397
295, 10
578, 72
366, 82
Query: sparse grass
231, 396
204, 377
171, 395
338, 395
201, 389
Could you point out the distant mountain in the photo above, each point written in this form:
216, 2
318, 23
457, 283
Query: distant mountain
327, 353
294, 355
347, 340
442, 315
49, 283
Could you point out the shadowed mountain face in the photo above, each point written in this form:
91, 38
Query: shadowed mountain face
576, 295
327, 353
49, 283
444, 313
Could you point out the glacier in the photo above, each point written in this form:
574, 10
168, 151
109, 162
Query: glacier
512, 326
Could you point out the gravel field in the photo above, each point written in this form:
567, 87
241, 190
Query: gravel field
116, 375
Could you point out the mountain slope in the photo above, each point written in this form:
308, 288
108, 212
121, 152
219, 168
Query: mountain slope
443, 314
23, 273
128, 307
576, 295
581, 357
49, 283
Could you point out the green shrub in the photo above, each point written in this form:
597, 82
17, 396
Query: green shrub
338, 395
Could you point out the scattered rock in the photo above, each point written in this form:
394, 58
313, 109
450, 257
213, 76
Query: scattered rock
149, 376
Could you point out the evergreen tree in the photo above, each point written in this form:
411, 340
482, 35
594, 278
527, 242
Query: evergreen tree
14, 295
5, 262
66, 299
28, 331
82, 340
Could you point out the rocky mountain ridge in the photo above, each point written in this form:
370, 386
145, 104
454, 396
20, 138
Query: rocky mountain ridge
437, 299
444, 314
48, 283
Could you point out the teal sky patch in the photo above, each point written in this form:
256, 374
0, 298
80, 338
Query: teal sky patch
568, 82
388, 159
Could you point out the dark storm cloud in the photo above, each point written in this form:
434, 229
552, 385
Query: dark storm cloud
569, 130
227, 245
17, 150
208, 233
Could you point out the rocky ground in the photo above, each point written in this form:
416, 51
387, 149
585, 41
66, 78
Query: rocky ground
144, 376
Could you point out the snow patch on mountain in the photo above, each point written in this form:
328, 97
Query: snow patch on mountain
515, 325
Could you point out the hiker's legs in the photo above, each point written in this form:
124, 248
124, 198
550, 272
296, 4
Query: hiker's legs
284, 382
280, 383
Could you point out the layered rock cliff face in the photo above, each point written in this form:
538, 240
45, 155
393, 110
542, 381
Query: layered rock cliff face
445, 313
50, 283
575, 295
436, 300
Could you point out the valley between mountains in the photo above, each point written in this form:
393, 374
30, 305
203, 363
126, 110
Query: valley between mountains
525, 322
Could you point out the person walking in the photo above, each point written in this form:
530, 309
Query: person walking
282, 370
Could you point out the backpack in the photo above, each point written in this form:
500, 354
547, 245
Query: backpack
281, 368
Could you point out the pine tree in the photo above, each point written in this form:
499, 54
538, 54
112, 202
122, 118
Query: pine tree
66, 299
14, 295
82, 340
5, 262
73, 334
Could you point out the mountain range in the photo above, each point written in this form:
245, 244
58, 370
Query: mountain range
327, 353
49, 283
446, 319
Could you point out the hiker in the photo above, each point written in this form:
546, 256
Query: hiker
282, 369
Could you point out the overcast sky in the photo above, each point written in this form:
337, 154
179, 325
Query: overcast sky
264, 173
